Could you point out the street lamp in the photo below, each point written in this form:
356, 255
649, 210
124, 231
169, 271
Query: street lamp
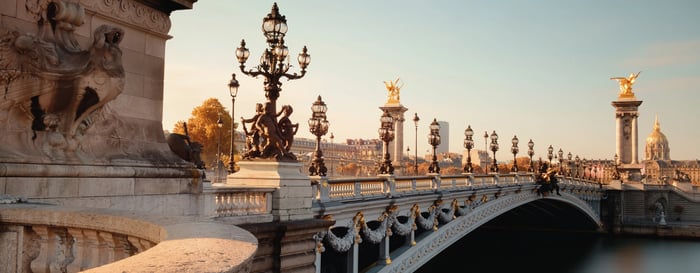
550, 154
233, 91
274, 64
616, 175
531, 152
568, 164
578, 165
494, 148
583, 164
219, 124
318, 126
561, 159
330, 156
434, 140
515, 151
415, 163
386, 134
468, 144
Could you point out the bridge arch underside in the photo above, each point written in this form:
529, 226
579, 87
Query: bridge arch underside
552, 212
517, 211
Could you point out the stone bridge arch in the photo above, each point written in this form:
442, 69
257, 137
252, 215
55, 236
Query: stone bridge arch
439, 240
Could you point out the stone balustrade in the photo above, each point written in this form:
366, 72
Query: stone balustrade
325, 189
45, 238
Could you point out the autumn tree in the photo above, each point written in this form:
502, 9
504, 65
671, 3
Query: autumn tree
202, 127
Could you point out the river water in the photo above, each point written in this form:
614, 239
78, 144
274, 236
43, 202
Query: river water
497, 250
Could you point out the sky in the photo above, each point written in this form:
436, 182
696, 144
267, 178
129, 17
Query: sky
536, 69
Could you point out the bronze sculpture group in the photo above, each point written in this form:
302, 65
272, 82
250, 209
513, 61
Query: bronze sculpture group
269, 138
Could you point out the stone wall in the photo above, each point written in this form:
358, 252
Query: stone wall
81, 112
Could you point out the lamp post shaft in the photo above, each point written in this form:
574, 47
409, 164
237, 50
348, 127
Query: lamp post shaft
415, 159
232, 161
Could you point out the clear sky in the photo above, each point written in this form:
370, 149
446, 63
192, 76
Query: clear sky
536, 69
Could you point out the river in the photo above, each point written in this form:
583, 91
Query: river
497, 250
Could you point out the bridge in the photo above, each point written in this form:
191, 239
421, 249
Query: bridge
409, 220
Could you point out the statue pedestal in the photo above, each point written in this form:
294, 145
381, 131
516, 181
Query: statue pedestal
631, 173
291, 199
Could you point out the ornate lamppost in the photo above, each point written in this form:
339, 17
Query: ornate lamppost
578, 165
550, 154
486, 138
330, 156
233, 91
415, 162
583, 164
386, 134
468, 144
514, 149
560, 153
568, 164
494, 148
318, 126
616, 174
531, 152
434, 140
274, 65
219, 124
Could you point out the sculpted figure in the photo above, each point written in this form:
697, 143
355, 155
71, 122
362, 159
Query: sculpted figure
54, 90
267, 125
182, 146
626, 84
287, 129
252, 140
394, 91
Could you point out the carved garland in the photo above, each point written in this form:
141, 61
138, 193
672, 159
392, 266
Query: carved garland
358, 229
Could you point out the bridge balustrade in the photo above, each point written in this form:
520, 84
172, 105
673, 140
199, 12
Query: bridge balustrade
373, 223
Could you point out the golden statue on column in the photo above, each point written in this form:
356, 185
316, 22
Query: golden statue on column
626, 85
394, 96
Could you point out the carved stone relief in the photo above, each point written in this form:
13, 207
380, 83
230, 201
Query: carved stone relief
53, 91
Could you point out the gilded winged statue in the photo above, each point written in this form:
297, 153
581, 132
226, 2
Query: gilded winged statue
626, 84
394, 89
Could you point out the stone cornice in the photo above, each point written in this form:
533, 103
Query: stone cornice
137, 13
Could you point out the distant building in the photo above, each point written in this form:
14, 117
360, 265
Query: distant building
658, 166
444, 146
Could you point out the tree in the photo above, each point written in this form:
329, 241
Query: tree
202, 127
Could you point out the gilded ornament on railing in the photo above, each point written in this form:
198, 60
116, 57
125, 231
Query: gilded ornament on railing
626, 85
394, 96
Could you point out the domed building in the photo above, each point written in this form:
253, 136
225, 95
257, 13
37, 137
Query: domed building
657, 144
658, 166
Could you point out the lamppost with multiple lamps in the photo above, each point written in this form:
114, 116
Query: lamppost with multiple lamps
550, 154
318, 126
415, 159
577, 163
560, 153
494, 148
386, 134
469, 144
274, 65
233, 91
434, 140
531, 152
568, 164
514, 149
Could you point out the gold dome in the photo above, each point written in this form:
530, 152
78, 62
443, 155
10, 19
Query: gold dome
657, 144
656, 136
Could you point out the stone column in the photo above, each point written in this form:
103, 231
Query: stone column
626, 139
396, 146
